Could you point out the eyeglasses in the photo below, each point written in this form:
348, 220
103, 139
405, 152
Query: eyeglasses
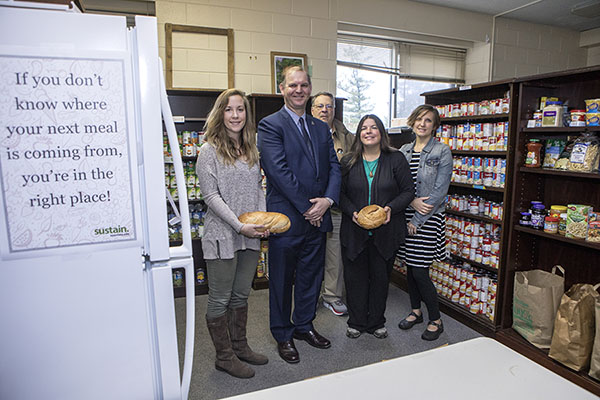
320, 106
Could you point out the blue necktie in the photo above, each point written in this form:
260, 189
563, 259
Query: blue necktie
307, 139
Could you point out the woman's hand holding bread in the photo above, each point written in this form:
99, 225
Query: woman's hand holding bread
270, 221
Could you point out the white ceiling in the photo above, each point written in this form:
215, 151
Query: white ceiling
547, 12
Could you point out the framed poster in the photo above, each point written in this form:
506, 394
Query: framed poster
65, 168
279, 61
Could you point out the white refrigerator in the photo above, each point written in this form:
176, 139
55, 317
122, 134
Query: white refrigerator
86, 292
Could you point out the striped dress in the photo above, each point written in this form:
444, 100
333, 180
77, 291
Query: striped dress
429, 243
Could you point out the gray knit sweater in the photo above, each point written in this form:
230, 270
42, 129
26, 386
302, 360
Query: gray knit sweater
228, 191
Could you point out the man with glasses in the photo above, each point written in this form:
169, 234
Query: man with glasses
323, 107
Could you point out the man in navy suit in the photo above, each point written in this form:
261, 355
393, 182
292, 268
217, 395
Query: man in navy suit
303, 182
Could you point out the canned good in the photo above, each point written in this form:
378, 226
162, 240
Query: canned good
177, 278
191, 193
505, 108
472, 108
474, 307
200, 276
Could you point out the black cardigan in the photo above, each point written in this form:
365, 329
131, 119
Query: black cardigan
392, 186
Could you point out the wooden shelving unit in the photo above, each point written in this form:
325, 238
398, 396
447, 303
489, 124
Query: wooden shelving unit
534, 249
478, 187
477, 93
474, 118
473, 216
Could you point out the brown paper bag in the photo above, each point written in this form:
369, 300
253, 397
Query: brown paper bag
574, 327
595, 360
536, 298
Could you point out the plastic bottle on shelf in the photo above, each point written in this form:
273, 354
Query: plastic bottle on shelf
533, 158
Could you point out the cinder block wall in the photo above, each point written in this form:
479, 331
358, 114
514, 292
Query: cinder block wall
310, 27
260, 26
523, 49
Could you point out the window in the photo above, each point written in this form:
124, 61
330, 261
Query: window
386, 77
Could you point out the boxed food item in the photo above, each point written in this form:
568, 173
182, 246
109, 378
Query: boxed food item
544, 100
593, 234
592, 119
592, 105
577, 221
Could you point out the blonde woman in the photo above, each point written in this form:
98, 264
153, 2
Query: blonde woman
229, 175
431, 168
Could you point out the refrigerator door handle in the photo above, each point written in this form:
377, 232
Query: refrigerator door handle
185, 250
190, 322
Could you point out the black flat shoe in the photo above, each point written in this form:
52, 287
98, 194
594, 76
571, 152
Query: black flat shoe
287, 351
405, 324
433, 335
313, 338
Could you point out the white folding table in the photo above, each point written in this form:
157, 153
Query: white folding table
480, 368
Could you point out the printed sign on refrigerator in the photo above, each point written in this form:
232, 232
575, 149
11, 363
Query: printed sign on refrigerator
64, 152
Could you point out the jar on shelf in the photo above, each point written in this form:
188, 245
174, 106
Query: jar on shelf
551, 224
538, 213
534, 148
556, 210
562, 224
525, 219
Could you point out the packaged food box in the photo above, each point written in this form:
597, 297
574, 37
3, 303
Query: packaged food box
592, 119
543, 101
593, 234
592, 105
577, 221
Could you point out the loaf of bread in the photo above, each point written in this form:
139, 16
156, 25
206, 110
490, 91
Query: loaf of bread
273, 221
371, 217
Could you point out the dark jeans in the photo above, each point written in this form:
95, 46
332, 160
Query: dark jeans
367, 279
420, 288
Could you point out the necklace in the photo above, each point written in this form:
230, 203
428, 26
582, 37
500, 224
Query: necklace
369, 163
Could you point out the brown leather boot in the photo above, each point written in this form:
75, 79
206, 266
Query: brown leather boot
237, 319
226, 360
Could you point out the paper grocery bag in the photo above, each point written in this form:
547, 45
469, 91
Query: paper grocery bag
574, 327
595, 360
536, 297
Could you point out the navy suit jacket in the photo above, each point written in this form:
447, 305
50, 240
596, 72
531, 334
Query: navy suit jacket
292, 177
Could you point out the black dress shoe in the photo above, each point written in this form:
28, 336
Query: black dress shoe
313, 338
433, 335
287, 351
405, 324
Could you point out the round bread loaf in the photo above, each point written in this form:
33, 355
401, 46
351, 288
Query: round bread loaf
371, 216
273, 221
